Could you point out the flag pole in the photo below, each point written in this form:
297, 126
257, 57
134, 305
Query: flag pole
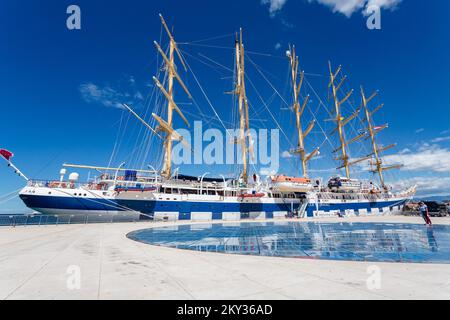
16, 170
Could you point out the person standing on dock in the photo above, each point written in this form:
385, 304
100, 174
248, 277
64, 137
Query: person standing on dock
424, 212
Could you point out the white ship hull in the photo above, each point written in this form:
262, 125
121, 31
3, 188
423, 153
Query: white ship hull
155, 205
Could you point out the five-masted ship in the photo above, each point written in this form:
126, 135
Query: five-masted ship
173, 196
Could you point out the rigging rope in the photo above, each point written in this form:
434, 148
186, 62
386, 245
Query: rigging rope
268, 110
207, 39
206, 96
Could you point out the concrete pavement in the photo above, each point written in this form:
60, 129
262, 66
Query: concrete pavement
98, 261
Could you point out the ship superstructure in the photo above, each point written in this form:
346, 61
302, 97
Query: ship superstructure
168, 194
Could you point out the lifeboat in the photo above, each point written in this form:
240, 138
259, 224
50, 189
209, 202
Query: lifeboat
252, 195
284, 183
344, 184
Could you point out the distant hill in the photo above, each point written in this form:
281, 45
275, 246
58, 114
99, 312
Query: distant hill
433, 198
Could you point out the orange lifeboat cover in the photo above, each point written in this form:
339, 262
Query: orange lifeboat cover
283, 178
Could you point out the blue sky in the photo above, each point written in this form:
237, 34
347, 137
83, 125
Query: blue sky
58, 87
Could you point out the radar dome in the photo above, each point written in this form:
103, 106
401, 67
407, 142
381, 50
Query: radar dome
73, 177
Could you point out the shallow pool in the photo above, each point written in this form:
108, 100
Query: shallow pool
394, 242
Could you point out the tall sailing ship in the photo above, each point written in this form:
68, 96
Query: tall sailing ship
168, 195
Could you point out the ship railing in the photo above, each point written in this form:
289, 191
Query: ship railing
354, 196
16, 220
192, 184
53, 184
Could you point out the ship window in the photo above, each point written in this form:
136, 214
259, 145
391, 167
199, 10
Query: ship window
49, 192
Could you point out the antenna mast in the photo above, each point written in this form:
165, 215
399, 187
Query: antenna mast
296, 86
166, 126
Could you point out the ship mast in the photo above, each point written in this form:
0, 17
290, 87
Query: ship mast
244, 139
372, 131
296, 86
164, 125
341, 121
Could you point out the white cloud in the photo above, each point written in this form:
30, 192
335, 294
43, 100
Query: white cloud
419, 130
426, 158
138, 96
286, 23
348, 7
405, 150
440, 139
108, 96
267, 172
323, 170
286, 154
274, 6
426, 186
277, 46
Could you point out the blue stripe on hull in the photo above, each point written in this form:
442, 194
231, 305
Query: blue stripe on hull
184, 208
149, 206
217, 216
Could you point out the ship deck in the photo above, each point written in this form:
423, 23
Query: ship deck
40, 262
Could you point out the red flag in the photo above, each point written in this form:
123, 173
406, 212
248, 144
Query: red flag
6, 154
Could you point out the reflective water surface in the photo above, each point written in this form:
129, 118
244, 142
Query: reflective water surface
395, 242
